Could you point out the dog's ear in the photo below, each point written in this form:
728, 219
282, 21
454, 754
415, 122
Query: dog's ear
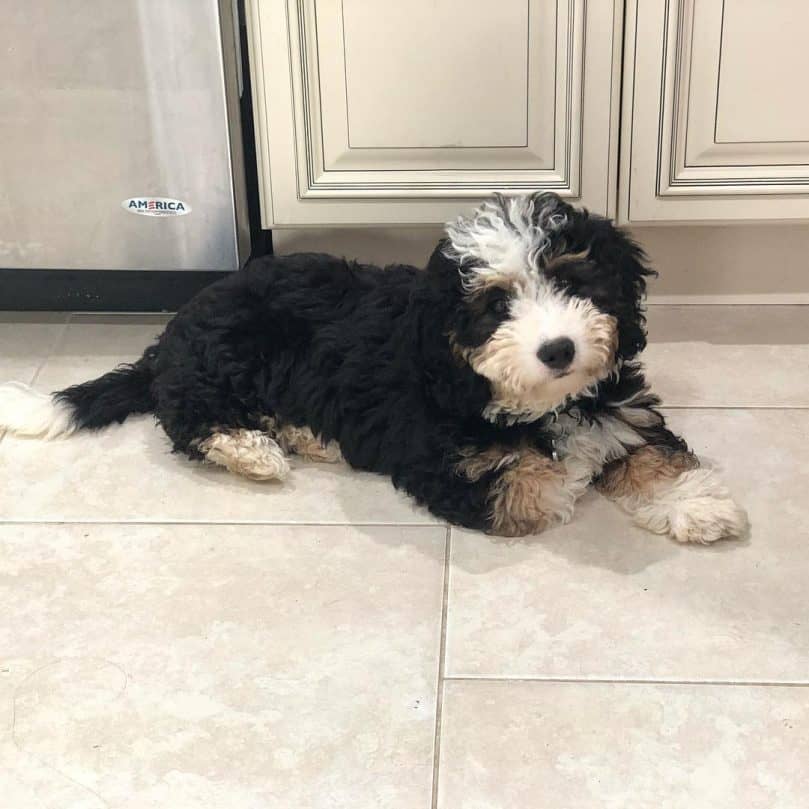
612, 271
630, 268
443, 274
631, 265
449, 382
441, 262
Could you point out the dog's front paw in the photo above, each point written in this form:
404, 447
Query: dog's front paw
695, 507
707, 519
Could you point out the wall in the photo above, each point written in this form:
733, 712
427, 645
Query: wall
731, 264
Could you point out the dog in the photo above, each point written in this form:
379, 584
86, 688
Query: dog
494, 386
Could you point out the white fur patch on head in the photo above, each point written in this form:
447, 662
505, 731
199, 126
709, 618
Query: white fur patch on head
504, 239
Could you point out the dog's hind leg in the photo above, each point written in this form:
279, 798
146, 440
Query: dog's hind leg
303, 442
250, 453
207, 422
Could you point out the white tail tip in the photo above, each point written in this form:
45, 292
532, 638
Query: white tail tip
24, 411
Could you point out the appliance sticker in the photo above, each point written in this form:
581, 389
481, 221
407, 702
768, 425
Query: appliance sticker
156, 206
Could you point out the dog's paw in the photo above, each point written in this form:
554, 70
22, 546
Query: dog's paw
250, 453
695, 507
706, 519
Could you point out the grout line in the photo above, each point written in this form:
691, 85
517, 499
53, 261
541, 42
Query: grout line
439, 692
123, 315
169, 521
628, 681
656, 300
732, 407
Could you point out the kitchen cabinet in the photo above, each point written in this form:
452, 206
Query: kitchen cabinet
379, 112
715, 121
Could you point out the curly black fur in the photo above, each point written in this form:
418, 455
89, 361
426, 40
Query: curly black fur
367, 357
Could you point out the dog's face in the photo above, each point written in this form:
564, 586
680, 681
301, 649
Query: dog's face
548, 301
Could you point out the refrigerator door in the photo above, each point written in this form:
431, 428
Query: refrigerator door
120, 141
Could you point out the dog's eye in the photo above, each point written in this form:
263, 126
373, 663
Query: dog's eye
498, 306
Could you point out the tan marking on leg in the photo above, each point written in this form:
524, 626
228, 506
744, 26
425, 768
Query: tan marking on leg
530, 495
475, 463
567, 258
301, 441
641, 470
666, 492
251, 453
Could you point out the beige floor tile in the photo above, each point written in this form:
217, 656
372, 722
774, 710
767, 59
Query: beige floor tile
127, 472
746, 356
599, 598
218, 667
95, 344
612, 746
26, 339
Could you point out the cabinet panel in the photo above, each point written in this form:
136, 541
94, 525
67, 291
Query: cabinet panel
392, 54
390, 81
378, 111
714, 127
779, 31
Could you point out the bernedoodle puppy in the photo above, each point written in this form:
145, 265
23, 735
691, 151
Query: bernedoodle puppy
494, 386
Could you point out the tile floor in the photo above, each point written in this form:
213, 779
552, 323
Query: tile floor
172, 636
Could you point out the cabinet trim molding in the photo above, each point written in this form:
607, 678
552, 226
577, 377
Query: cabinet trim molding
707, 172
675, 165
312, 174
317, 179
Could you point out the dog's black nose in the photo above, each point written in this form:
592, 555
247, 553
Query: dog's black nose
558, 353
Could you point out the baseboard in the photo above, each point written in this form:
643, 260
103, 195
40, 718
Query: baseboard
166, 291
752, 299
101, 290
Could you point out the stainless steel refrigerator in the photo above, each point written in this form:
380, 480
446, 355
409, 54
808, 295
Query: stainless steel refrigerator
120, 139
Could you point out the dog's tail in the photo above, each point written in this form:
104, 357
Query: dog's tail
88, 406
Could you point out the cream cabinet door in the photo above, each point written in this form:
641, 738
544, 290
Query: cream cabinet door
408, 111
716, 119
